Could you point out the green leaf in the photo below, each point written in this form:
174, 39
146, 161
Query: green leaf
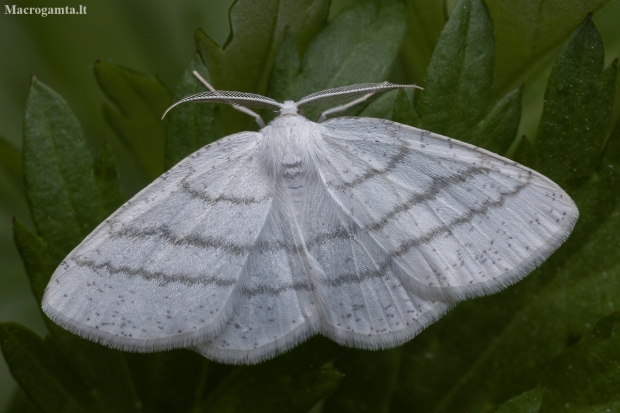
370, 378
578, 104
528, 32
497, 131
11, 160
585, 377
276, 393
257, 28
357, 46
583, 289
303, 19
20, 403
58, 170
292, 382
526, 154
107, 181
514, 334
42, 372
427, 18
487, 348
381, 106
286, 70
183, 374
386, 105
139, 101
38, 257
403, 111
194, 125
528, 402
103, 369
597, 199
573, 114
59, 176
460, 74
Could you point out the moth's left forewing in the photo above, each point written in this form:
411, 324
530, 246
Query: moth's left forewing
460, 221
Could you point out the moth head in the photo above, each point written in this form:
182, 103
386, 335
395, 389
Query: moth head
288, 108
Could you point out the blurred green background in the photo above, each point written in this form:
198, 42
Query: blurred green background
155, 36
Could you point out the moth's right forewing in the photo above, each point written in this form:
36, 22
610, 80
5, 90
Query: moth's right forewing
161, 272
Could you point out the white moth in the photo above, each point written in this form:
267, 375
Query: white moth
363, 230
